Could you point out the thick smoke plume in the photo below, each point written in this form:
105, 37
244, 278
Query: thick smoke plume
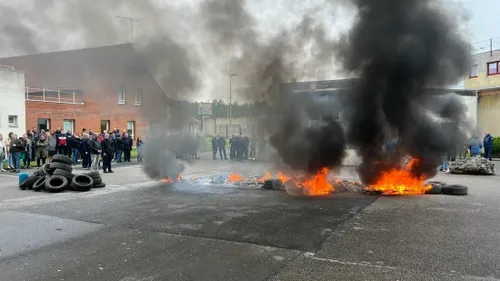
265, 65
400, 49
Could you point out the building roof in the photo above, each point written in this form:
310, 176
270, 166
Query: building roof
72, 69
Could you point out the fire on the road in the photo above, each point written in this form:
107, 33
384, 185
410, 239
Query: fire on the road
400, 182
169, 180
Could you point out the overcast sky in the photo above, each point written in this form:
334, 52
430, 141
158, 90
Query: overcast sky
485, 18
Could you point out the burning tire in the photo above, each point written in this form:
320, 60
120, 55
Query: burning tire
100, 185
61, 166
58, 172
56, 184
436, 188
63, 159
28, 183
272, 184
39, 185
82, 183
47, 170
455, 189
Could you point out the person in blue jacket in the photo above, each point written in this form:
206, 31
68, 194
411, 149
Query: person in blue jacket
475, 146
488, 145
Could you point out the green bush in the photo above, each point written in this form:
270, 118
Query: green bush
496, 146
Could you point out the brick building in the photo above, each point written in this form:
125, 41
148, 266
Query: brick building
95, 88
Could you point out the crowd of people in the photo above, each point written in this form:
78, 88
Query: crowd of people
88, 148
240, 147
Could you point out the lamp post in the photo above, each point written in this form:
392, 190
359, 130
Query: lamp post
231, 97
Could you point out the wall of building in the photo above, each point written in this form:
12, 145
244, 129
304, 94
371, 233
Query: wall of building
12, 102
489, 113
483, 80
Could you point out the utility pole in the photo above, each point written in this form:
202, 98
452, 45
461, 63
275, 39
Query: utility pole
132, 21
231, 98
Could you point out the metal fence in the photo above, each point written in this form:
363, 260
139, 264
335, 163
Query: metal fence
485, 46
53, 96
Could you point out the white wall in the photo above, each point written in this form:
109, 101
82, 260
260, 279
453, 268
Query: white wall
12, 101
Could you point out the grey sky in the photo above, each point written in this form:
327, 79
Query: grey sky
484, 20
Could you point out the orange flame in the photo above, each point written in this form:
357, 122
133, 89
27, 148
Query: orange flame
169, 180
401, 182
317, 185
265, 177
283, 177
235, 177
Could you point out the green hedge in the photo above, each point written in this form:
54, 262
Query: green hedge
496, 146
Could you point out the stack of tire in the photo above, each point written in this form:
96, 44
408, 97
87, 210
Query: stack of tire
58, 176
439, 187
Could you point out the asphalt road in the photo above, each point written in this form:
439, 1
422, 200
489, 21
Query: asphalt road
137, 229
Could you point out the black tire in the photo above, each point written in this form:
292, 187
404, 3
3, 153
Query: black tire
63, 159
97, 181
39, 172
455, 189
82, 183
66, 167
28, 183
436, 189
100, 185
94, 175
39, 185
47, 170
56, 184
66, 174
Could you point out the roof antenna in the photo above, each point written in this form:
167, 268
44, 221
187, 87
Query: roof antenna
132, 21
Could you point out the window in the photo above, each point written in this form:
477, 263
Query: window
493, 68
104, 125
122, 95
138, 97
131, 128
13, 122
473, 71
43, 124
69, 125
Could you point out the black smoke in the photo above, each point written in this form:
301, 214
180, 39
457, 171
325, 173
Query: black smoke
265, 64
400, 49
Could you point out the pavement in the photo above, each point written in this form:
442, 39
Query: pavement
139, 229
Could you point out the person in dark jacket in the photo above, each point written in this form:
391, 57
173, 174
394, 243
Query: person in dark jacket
74, 143
95, 150
245, 146
85, 151
16, 147
127, 147
222, 147
118, 146
107, 154
232, 147
68, 149
215, 145
488, 145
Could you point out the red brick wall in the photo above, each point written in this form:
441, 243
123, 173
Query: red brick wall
101, 103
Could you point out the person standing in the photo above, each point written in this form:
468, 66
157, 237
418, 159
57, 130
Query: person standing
222, 147
95, 151
253, 147
42, 151
475, 146
232, 147
74, 143
3, 153
118, 146
107, 154
51, 148
16, 148
246, 146
127, 147
488, 146
10, 162
85, 151
140, 149
215, 145
27, 152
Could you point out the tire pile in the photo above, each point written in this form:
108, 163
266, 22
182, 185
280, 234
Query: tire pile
58, 176
439, 187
